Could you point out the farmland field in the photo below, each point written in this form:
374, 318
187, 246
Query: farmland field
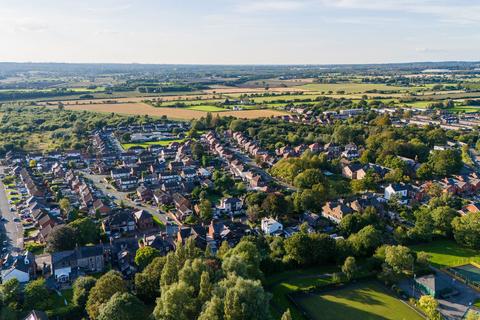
140, 108
206, 108
364, 300
352, 87
445, 253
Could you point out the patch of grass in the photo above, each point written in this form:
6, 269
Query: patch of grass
35, 248
206, 108
477, 303
364, 300
283, 283
158, 222
127, 146
447, 253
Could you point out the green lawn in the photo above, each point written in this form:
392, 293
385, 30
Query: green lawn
283, 283
158, 222
206, 108
364, 300
127, 146
446, 253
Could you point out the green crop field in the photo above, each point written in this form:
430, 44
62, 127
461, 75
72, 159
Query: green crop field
446, 253
286, 97
364, 300
207, 108
353, 87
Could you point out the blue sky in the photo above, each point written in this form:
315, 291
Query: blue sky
239, 31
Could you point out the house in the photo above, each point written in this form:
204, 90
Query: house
231, 205
335, 211
171, 186
188, 174
198, 232
119, 173
159, 242
36, 315
144, 220
398, 190
120, 222
162, 197
180, 200
312, 219
144, 193
473, 207
19, 267
271, 226
353, 171
431, 285
127, 183
100, 207
229, 231
68, 265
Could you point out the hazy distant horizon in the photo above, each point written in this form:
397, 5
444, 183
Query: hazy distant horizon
241, 64
243, 32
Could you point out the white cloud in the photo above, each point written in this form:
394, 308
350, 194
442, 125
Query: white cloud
447, 11
269, 5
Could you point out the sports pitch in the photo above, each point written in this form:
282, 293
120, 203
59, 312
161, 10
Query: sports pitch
365, 300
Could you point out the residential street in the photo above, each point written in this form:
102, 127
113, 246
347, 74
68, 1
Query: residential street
122, 196
12, 229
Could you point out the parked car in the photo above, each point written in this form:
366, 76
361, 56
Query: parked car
16, 219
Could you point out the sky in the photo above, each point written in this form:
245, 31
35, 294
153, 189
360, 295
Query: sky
239, 31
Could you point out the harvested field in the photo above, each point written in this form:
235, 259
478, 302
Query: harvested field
253, 90
182, 98
172, 113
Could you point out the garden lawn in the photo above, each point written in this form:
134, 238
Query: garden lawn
364, 300
447, 253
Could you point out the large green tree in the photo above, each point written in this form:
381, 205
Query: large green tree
81, 290
147, 282
105, 287
466, 230
122, 306
36, 295
145, 255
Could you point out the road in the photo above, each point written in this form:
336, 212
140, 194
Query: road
12, 229
100, 183
258, 169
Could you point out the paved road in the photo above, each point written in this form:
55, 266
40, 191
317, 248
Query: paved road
12, 230
99, 182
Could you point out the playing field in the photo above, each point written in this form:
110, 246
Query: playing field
447, 253
127, 146
364, 300
140, 108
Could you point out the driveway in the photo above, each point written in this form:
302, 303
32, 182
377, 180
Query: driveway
12, 229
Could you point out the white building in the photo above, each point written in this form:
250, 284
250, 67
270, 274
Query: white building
19, 267
399, 190
271, 226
